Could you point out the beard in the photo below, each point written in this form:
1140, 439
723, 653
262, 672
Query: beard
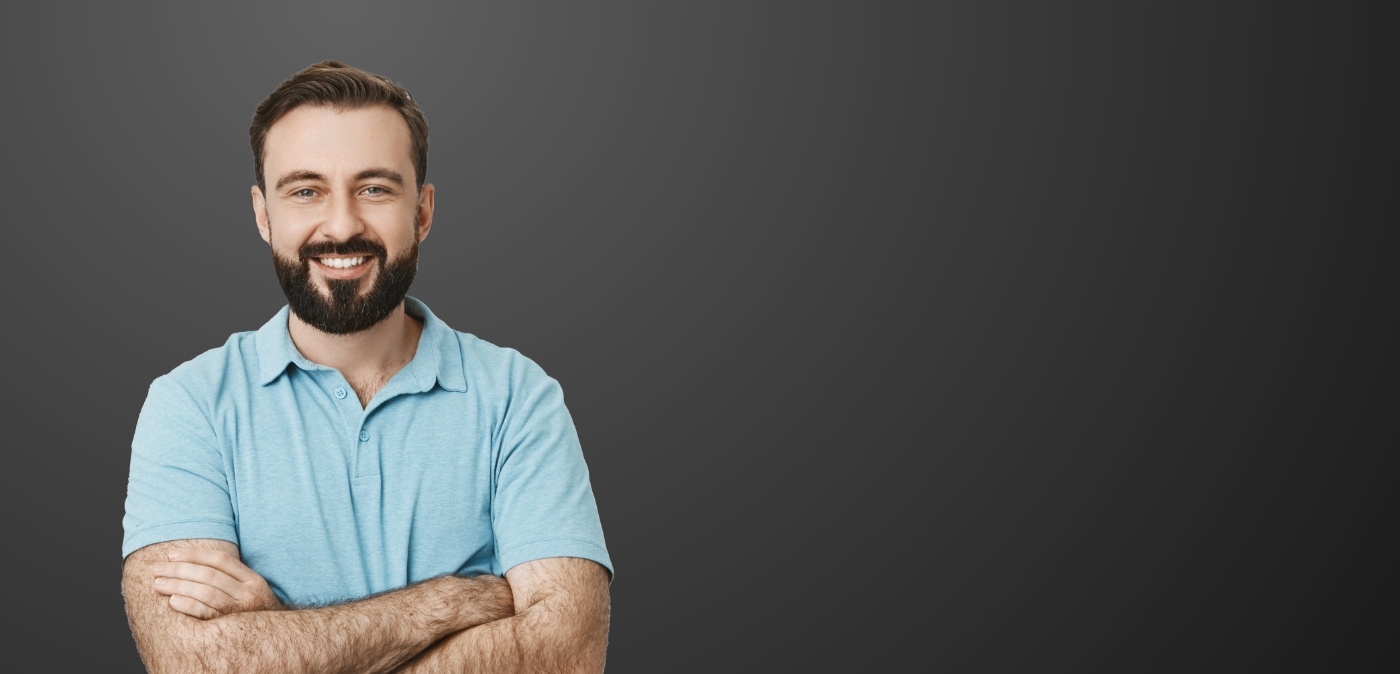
346, 311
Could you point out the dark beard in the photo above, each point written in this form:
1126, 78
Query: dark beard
345, 312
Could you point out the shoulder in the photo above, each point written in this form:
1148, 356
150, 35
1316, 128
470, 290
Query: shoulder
499, 372
473, 363
213, 370
502, 360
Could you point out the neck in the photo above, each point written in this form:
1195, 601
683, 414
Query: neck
376, 353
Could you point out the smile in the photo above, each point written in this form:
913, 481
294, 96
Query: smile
342, 262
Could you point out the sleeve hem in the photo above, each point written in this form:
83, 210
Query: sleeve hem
160, 533
559, 547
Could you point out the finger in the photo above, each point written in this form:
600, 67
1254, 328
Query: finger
199, 573
205, 594
217, 559
192, 607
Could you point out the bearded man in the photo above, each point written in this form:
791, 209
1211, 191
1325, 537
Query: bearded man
356, 486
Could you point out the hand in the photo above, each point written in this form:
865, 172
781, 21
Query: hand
206, 584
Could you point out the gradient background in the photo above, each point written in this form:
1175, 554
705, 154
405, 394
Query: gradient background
986, 336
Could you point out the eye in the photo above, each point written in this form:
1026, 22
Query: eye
375, 191
304, 193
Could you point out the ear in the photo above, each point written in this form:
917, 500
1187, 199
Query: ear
425, 211
260, 213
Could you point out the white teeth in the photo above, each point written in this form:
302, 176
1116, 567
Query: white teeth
343, 262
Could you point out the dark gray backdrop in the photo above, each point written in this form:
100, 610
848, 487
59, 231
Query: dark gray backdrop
997, 336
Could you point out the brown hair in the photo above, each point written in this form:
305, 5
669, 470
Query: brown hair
334, 84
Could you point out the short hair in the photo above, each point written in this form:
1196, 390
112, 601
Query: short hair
336, 85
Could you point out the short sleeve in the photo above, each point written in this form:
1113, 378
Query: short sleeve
544, 505
177, 487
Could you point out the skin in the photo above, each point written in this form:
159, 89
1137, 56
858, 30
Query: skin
208, 582
562, 612
374, 634
193, 606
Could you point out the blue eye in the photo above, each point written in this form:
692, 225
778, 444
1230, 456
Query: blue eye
305, 193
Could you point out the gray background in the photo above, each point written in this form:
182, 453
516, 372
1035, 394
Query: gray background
992, 336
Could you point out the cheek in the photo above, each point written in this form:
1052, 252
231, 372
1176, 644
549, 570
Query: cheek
283, 235
399, 232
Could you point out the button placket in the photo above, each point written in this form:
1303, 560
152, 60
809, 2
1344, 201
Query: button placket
366, 453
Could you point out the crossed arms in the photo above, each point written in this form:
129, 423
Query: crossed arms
213, 614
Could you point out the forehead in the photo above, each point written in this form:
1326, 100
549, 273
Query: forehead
331, 141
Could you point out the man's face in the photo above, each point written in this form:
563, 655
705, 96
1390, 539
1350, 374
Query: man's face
342, 213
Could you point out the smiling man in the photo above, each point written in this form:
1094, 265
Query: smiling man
356, 486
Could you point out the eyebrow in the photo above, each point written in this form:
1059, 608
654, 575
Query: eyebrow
298, 176
387, 174
312, 176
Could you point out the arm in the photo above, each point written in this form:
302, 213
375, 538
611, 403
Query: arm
560, 625
210, 582
374, 634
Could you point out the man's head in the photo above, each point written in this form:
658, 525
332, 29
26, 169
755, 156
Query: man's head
340, 158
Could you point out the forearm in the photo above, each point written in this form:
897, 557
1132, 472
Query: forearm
374, 634
508, 646
370, 635
560, 626
493, 647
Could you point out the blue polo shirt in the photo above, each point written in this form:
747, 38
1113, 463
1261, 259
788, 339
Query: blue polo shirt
466, 462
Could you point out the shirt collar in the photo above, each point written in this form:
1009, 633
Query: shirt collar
439, 356
437, 361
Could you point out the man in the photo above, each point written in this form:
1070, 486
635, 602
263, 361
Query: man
356, 487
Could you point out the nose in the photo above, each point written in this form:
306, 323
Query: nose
343, 218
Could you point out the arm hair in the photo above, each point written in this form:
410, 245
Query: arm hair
562, 615
374, 634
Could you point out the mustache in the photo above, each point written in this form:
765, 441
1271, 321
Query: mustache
355, 246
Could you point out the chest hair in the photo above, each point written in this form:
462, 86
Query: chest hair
366, 388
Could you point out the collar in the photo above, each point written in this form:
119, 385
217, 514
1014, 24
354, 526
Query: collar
437, 361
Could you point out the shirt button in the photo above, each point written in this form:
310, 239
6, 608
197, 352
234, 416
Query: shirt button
364, 435
339, 393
